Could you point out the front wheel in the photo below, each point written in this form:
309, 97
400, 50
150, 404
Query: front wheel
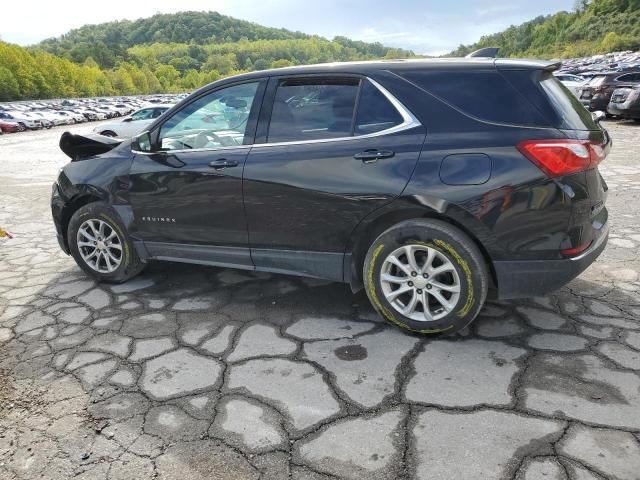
426, 276
100, 245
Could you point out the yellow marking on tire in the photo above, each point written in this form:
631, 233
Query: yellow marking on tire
467, 271
115, 226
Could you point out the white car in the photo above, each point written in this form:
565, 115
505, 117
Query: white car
22, 118
572, 82
133, 124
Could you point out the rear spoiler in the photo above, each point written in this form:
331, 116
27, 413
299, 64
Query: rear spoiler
79, 147
487, 52
525, 64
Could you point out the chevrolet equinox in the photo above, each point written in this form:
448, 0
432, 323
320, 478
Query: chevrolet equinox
429, 183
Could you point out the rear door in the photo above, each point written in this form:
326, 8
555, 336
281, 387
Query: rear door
330, 149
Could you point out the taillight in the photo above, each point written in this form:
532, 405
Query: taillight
563, 157
574, 252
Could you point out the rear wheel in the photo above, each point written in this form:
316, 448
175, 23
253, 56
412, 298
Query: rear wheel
100, 245
426, 276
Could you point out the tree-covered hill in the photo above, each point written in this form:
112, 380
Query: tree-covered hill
595, 26
107, 43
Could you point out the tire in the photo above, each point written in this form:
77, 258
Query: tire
108, 133
453, 254
122, 263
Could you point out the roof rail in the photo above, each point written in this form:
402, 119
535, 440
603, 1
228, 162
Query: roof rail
488, 52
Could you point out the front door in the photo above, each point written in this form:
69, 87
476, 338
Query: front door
186, 193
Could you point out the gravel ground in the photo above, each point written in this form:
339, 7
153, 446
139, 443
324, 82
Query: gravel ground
202, 373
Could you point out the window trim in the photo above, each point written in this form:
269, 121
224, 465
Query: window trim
408, 119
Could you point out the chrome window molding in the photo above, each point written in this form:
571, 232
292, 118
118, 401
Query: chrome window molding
408, 121
191, 150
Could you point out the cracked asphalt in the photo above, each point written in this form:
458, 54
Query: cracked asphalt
202, 373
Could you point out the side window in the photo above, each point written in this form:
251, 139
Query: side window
216, 120
312, 109
628, 77
483, 94
157, 112
375, 111
142, 114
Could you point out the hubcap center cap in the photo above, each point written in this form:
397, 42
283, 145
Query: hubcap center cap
420, 282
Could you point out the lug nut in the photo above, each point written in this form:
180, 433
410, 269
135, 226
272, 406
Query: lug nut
428, 287
424, 275
411, 284
413, 274
419, 291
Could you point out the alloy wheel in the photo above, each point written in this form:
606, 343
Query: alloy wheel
420, 283
100, 246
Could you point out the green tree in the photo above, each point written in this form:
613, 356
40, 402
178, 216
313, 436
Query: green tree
9, 88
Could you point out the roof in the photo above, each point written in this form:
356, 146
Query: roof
364, 67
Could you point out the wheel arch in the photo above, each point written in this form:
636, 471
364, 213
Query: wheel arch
369, 230
72, 207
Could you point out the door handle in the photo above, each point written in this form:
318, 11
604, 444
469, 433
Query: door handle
221, 163
373, 154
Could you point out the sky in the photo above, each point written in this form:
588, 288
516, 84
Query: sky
431, 27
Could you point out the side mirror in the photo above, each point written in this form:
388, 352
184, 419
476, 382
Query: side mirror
128, 119
141, 143
598, 115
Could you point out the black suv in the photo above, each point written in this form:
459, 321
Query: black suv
625, 103
429, 183
596, 93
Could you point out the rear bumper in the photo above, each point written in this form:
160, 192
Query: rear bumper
625, 111
522, 279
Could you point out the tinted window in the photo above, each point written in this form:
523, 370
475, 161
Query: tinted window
629, 77
216, 120
481, 94
566, 105
158, 111
375, 111
310, 109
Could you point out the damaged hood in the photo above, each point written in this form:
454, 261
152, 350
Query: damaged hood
79, 147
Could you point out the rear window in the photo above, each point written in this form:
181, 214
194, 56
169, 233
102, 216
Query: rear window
486, 95
566, 106
513, 97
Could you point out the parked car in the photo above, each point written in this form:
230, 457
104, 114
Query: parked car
596, 93
408, 179
22, 118
625, 103
133, 124
10, 127
572, 82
